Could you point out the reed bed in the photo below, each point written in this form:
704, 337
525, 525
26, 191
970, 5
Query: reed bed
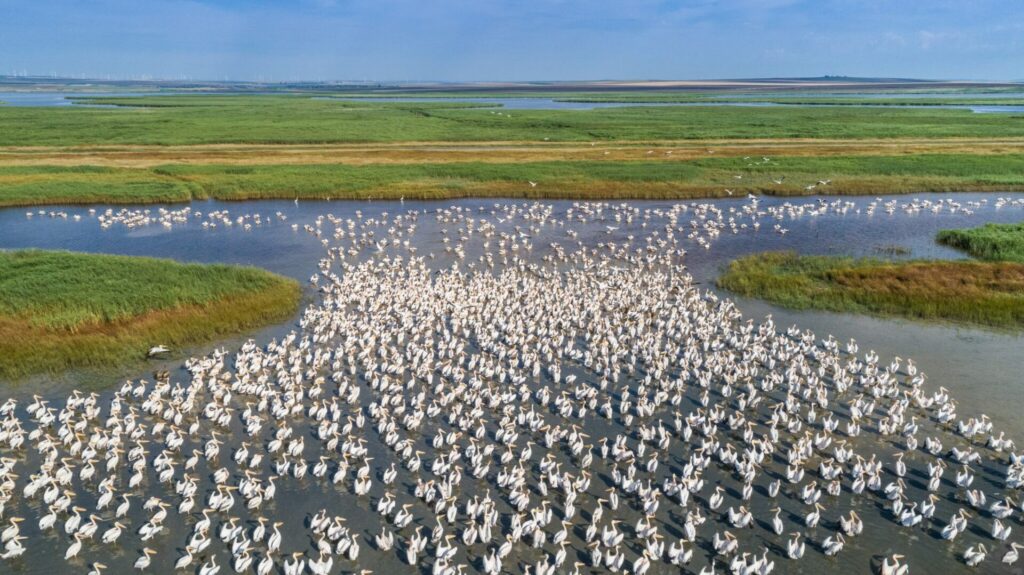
989, 294
991, 242
211, 119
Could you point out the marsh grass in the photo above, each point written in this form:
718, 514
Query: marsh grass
61, 309
31, 185
286, 122
991, 242
977, 293
299, 121
212, 119
570, 179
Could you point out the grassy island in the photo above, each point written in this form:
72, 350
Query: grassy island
987, 294
61, 309
990, 242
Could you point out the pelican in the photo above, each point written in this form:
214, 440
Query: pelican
158, 350
210, 567
113, 533
144, 560
777, 525
974, 555
894, 567
795, 547
13, 548
1012, 555
295, 565
12, 530
833, 545
75, 547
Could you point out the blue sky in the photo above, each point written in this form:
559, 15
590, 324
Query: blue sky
477, 40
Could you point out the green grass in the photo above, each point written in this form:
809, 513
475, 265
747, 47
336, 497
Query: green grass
652, 179
61, 310
26, 186
991, 242
590, 179
426, 181
280, 122
1001, 169
210, 119
977, 293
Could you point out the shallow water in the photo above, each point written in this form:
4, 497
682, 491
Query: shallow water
556, 104
51, 99
61, 99
514, 103
980, 368
886, 95
974, 363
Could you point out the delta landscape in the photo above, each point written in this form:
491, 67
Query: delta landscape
489, 323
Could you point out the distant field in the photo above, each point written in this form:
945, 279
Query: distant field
979, 293
795, 100
168, 120
181, 147
848, 99
904, 98
653, 179
63, 309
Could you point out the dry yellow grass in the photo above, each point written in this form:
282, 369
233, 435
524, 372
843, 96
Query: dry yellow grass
493, 152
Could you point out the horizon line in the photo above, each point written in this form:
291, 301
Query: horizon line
605, 82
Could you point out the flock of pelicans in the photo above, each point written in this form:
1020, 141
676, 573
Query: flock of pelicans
579, 408
133, 218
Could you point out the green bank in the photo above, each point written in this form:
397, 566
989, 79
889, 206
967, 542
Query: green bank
62, 310
597, 179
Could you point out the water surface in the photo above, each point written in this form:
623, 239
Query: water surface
62, 99
981, 368
986, 366
533, 103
